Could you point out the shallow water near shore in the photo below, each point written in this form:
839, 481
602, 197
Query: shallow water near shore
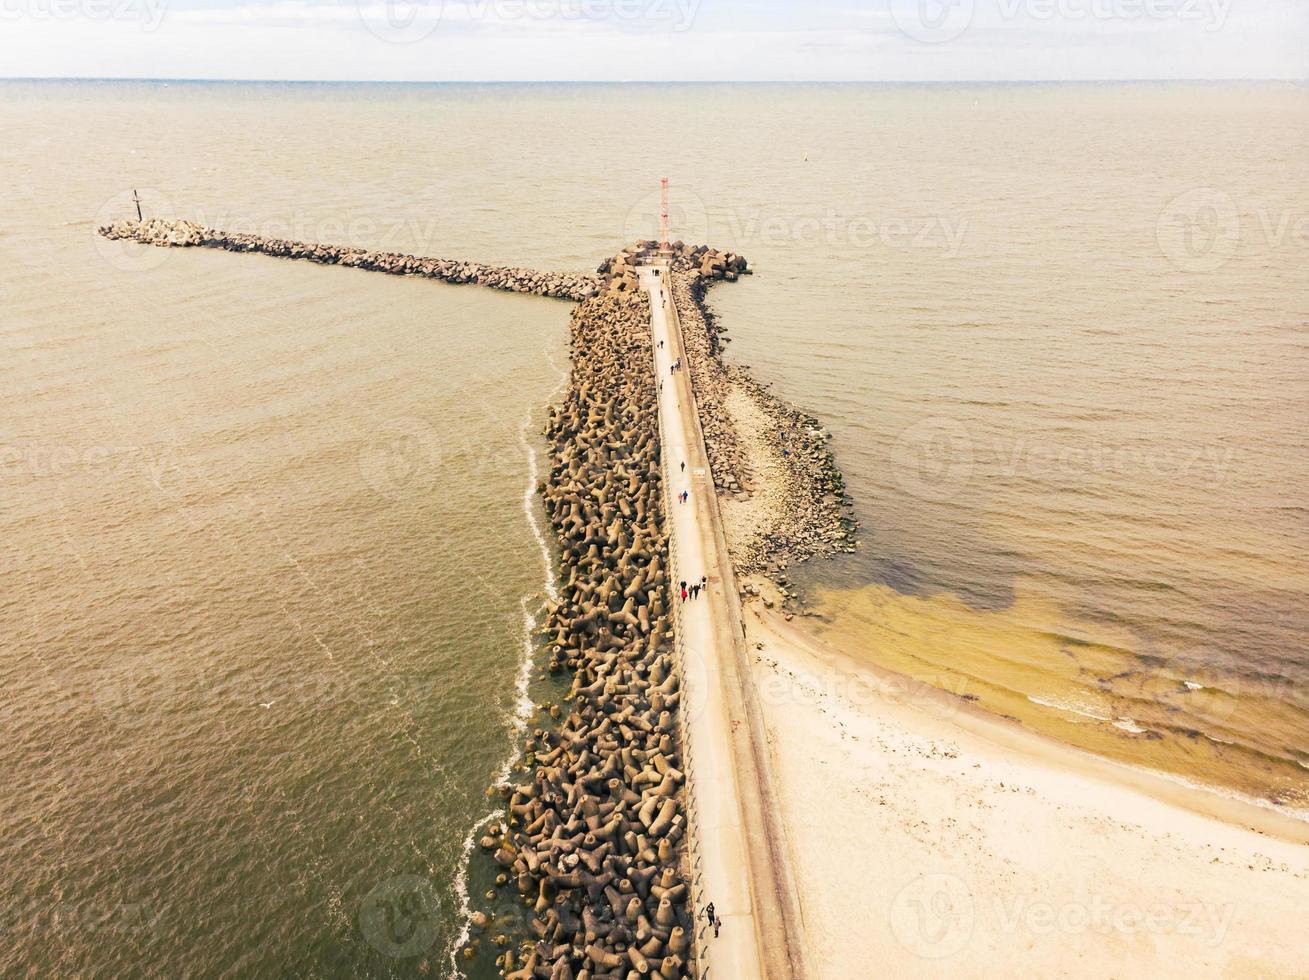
269, 562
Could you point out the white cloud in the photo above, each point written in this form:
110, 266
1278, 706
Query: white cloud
654, 39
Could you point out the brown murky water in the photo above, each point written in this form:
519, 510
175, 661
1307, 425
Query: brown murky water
268, 566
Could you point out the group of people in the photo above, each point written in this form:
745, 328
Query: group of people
676, 366
684, 496
712, 916
693, 590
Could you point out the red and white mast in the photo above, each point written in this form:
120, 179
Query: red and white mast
663, 213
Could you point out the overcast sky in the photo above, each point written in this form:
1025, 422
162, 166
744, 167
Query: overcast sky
435, 40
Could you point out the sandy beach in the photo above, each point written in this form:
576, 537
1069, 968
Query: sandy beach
934, 840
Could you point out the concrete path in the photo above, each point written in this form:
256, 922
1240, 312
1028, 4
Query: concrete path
738, 856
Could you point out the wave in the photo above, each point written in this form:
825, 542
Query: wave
516, 720
1068, 706
1129, 725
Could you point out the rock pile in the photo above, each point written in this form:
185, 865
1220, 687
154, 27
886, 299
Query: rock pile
811, 517
619, 276
710, 382
188, 234
593, 843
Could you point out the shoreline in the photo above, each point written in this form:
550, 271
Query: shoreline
790, 509
1215, 802
1012, 840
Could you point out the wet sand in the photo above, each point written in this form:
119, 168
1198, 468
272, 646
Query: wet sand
942, 840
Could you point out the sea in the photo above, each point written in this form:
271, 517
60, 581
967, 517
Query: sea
273, 556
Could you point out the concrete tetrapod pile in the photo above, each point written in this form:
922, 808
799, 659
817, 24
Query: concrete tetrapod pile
593, 841
189, 234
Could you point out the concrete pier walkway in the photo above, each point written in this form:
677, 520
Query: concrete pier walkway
739, 859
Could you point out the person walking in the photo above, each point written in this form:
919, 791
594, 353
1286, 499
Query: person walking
683, 466
709, 912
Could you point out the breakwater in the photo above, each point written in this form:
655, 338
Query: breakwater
189, 234
593, 833
593, 841
785, 499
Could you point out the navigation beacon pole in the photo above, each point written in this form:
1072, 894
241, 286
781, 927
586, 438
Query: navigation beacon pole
663, 216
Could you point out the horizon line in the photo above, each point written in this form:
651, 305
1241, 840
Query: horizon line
639, 81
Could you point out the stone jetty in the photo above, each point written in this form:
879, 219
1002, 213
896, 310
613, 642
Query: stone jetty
593, 842
188, 234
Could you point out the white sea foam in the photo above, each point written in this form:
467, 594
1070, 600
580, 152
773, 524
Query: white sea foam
1070, 707
516, 720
